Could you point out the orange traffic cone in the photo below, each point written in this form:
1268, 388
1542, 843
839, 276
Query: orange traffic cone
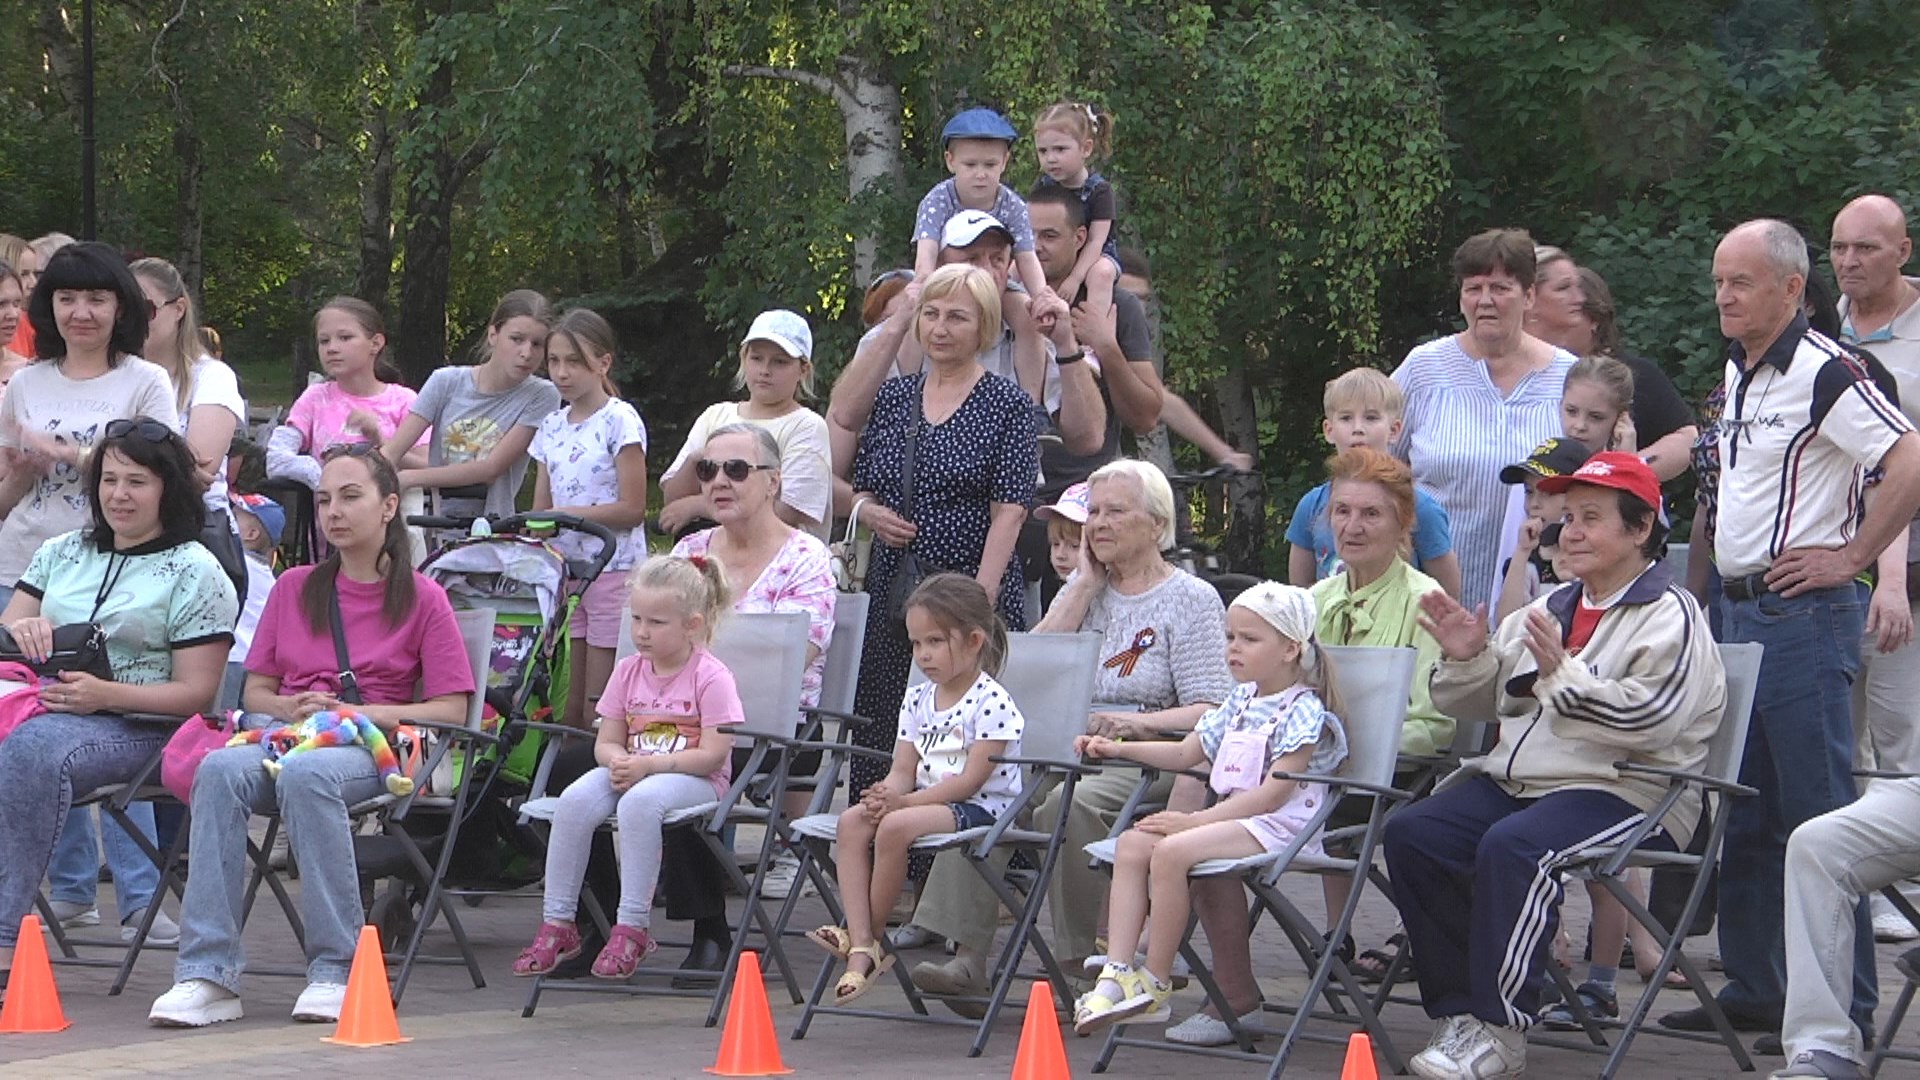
1042, 1056
366, 1017
33, 1002
748, 1046
1359, 1064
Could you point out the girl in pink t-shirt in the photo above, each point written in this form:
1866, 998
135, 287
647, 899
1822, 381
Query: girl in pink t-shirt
664, 745
354, 405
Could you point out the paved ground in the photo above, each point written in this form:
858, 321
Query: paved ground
459, 1031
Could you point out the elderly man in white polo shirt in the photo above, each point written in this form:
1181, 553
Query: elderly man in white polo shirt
1804, 424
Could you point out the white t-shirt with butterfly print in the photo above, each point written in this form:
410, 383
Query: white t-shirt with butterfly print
579, 459
942, 737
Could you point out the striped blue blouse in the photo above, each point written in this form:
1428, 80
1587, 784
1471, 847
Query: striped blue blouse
1460, 432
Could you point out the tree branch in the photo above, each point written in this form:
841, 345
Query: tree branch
812, 80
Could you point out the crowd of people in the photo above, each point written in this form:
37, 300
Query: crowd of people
1494, 503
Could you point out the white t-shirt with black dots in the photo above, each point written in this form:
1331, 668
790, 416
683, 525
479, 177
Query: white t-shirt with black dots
943, 737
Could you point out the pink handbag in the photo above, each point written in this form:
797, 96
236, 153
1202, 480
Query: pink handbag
192, 741
17, 706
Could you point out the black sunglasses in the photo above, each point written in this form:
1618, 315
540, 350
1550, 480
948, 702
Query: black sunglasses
145, 427
349, 449
737, 470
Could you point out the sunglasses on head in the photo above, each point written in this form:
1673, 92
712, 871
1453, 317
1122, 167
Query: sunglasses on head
348, 449
737, 470
144, 427
889, 275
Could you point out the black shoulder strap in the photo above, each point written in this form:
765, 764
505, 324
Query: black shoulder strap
912, 449
349, 686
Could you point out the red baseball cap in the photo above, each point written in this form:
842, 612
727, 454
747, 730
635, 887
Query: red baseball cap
1610, 469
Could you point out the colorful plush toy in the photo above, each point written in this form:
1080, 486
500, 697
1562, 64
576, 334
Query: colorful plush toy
330, 729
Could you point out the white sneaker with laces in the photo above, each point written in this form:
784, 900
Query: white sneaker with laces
1203, 1030
164, 931
1891, 927
1482, 1051
912, 936
73, 915
1440, 1051
195, 1003
320, 1003
782, 872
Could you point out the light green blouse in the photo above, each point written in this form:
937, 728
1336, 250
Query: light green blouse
1383, 613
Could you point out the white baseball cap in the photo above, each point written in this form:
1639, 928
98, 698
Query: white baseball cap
785, 329
968, 226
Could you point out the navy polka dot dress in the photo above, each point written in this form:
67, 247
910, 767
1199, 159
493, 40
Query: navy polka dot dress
985, 453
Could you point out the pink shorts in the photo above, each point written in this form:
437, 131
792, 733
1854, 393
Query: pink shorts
598, 617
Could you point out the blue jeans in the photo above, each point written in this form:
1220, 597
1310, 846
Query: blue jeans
43, 764
74, 873
1799, 757
313, 791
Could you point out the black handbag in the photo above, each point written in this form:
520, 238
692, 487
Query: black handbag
78, 647
909, 572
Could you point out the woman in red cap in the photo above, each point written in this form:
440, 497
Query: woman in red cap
1618, 667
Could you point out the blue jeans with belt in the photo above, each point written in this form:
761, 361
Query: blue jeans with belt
1799, 756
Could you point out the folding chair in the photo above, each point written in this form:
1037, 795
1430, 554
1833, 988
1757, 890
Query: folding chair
1050, 677
392, 813
768, 653
1883, 1051
1718, 776
1374, 684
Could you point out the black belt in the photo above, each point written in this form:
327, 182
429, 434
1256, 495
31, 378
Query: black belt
1750, 587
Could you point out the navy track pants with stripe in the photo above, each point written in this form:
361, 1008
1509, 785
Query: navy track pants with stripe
1476, 874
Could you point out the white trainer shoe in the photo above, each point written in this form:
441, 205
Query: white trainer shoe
320, 1003
783, 870
1482, 1051
72, 916
164, 931
1203, 1030
195, 1003
1892, 928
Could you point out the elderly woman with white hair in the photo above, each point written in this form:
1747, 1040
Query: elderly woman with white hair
1164, 656
943, 475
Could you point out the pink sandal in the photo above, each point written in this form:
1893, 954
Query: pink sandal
552, 946
626, 947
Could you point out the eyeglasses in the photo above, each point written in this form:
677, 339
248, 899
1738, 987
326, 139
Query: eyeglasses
889, 275
145, 427
737, 470
349, 449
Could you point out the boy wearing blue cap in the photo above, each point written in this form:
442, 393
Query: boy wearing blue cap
978, 144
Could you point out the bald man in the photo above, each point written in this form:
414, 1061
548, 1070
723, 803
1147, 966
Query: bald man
1878, 312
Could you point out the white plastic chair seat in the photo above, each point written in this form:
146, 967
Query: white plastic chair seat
544, 809
826, 827
1105, 850
1593, 857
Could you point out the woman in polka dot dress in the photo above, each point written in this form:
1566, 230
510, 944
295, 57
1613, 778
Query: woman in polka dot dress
974, 473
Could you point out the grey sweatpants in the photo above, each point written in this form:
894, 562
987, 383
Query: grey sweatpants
584, 807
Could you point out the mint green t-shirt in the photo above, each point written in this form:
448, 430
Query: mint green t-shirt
151, 600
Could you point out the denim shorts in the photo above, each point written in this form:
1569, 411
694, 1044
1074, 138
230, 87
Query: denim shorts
968, 815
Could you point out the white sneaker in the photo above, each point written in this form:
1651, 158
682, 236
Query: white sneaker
1439, 1053
277, 855
72, 916
1891, 927
320, 1003
782, 871
195, 1003
912, 936
1203, 1030
164, 931
1482, 1051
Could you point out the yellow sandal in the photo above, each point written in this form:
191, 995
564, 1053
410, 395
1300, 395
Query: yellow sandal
853, 984
835, 939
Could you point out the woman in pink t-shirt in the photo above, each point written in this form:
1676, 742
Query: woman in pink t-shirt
399, 632
354, 405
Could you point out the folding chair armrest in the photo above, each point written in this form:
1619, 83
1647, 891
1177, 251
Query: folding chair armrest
1882, 774
1425, 761
1342, 782
814, 712
156, 719
565, 731
832, 747
1049, 764
1685, 777
456, 731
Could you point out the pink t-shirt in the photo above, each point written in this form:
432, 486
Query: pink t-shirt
665, 715
387, 660
320, 415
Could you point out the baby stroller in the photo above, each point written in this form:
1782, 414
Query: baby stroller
516, 568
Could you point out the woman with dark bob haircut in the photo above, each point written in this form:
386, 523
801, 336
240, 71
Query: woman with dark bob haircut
167, 611
89, 319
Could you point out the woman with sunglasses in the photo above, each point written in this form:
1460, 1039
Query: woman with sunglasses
134, 569
400, 633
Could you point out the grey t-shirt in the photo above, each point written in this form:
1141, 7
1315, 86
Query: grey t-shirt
1164, 647
43, 400
467, 424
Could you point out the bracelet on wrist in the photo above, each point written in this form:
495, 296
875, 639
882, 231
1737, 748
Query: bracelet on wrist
1073, 357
